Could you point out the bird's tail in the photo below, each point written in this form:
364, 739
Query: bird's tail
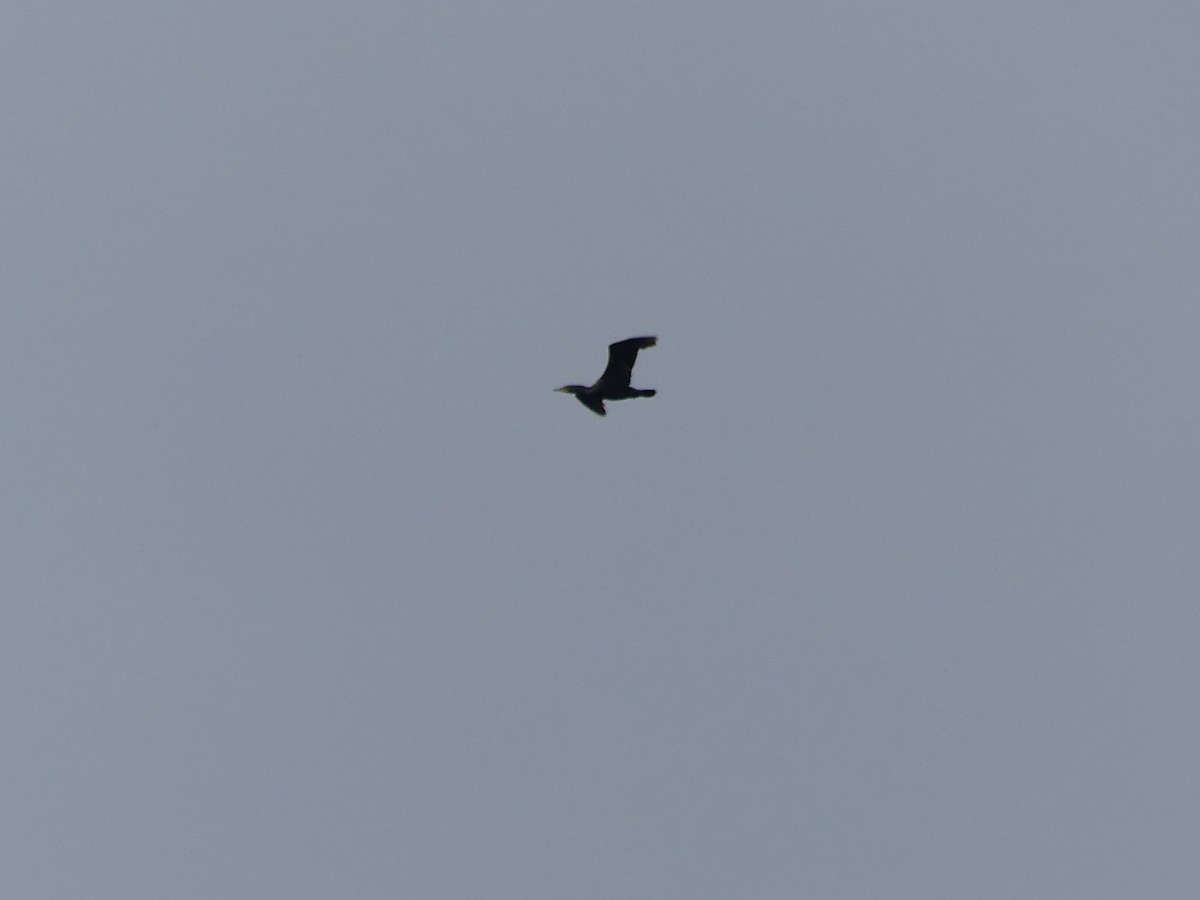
647, 393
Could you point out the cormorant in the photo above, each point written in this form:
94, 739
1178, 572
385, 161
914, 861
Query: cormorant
614, 383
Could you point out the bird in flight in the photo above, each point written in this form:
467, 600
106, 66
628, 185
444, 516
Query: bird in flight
614, 383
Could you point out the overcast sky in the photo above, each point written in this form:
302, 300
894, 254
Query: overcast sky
312, 587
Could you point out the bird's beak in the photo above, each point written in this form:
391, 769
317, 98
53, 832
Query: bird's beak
561, 390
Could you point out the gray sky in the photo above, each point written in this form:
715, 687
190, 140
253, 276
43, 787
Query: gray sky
313, 588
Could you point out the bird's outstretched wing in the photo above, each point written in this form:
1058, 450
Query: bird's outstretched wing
595, 404
621, 357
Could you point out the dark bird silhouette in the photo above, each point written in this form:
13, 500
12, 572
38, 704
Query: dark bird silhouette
614, 383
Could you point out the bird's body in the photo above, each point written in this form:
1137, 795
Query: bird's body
614, 383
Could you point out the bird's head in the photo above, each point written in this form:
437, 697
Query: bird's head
571, 388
